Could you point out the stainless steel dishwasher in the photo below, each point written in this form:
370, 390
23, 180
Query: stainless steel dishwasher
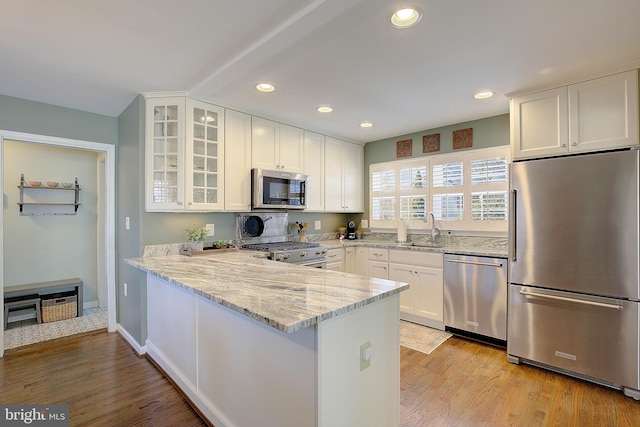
475, 295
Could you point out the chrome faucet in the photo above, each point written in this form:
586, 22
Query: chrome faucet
435, 232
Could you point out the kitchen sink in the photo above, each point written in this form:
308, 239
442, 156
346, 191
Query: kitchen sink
422, 245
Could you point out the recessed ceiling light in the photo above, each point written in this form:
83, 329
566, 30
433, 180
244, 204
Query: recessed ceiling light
483, 94
405, 18
265, 87
324, 109
366, 124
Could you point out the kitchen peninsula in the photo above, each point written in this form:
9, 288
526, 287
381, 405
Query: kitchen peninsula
257, 342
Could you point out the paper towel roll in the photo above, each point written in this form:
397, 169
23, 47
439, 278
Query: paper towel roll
402, 231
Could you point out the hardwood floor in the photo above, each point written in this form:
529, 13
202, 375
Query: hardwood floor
462, 383
100, 377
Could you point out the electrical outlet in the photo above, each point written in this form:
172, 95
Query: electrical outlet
317, 225
366, 353
210, 229
364, 223
124, 289
127, 223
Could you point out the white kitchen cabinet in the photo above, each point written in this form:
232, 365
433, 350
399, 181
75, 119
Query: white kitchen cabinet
362, 261
276, 146
335, 259
344, 174
350, 259
378, 264
237, 183
423, 303
314, 168
594, 115
204, 157
164, 154
184, 155
378, 269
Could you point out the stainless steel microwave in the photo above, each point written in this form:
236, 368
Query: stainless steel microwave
278, 189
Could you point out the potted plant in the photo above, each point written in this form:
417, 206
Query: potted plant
195, 236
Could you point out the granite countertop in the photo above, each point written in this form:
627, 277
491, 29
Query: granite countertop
475, 248
284, 296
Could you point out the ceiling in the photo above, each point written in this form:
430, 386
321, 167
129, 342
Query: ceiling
98, 55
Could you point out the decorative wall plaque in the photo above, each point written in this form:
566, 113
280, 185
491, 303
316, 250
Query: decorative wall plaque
462, 138
403, 148
431, 143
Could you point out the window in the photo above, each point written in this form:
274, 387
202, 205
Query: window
465, 191
399, 190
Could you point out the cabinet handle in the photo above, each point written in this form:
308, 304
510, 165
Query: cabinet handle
563, 145
574, 143
179, 203
579, 301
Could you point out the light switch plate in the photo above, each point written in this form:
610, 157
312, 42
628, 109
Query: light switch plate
317, 225
364, 223
210, 229
366, 351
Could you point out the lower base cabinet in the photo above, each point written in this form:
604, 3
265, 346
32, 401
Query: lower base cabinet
240, 372
335, 259
423, 302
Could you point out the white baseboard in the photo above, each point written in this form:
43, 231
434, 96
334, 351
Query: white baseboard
132, 342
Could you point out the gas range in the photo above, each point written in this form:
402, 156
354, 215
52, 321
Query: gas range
292, 252
270, 232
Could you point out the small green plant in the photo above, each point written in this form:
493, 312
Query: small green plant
196, 234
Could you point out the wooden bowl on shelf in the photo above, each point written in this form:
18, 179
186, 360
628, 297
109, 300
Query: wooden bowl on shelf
35, 183
52, 184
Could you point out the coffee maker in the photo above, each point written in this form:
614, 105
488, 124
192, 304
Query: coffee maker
351, 230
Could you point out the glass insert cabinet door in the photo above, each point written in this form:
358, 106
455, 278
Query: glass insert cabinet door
165, 165
205, 156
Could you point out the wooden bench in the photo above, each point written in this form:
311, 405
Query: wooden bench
43, 288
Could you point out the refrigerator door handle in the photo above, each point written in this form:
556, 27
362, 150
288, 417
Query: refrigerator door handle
554, 297
512, 225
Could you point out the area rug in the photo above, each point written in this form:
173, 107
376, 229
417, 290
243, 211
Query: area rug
92, 319
421, 338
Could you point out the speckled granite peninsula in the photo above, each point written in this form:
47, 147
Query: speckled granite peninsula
283, 296
297, 346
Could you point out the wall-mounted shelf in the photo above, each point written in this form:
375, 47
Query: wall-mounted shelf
25, 186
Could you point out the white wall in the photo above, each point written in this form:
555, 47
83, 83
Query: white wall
43, 248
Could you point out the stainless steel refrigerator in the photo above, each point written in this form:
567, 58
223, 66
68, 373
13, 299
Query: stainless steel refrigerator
573, 276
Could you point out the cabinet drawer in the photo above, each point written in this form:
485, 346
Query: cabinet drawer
424, 259
378, 254
335, 255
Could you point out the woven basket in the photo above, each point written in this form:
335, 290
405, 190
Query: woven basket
59, 308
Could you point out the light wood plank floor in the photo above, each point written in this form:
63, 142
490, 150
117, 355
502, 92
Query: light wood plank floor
462, 383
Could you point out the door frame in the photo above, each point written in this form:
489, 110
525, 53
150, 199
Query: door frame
107, 211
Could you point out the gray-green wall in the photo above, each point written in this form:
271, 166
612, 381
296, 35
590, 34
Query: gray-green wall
487, 132
21, 115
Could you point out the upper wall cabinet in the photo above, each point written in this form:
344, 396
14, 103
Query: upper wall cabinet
237, 142
184, 155
598, 114
314, 168
343, 173
276, 146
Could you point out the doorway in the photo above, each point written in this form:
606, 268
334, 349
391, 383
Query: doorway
104, 238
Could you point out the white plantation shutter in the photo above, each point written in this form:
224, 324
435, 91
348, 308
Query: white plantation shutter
465, 191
